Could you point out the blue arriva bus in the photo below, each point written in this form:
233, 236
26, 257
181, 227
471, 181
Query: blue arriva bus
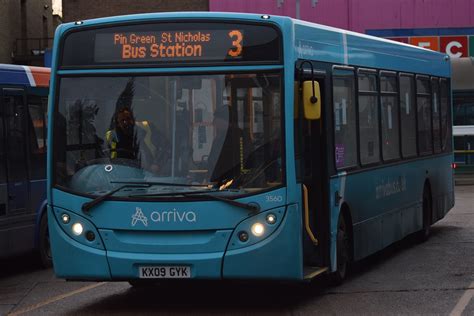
23, 216
236, 146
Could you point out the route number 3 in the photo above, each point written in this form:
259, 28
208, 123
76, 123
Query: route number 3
237, 38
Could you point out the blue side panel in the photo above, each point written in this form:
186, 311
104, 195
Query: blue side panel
277, 257
392, 204
12, 74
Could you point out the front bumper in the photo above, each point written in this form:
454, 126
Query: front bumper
277, 256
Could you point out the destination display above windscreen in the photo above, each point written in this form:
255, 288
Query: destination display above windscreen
172, 43
169, 45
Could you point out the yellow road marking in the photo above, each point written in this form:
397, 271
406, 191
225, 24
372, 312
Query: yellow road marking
463, 301
55, 299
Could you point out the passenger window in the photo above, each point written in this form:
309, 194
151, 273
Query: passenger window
390, 124
345, 145
368, 118
425, 140
436, 115
408, 115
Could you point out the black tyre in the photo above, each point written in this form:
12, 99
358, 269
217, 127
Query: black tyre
44, 244
344, 251
424, 233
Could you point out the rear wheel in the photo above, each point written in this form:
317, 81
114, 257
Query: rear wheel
344, 246
44, 244
424, 233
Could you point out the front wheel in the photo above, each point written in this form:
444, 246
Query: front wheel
44, 244
344, 246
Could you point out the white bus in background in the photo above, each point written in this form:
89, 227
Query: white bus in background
463, 110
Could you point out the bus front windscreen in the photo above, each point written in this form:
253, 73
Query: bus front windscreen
212, 132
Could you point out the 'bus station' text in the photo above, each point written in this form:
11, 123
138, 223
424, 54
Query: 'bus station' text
167, 45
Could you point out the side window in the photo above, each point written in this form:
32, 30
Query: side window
37, 136
408, 115
14, 107
345, 145
423, 101
436, 115
446, 138
368, 118
389, 108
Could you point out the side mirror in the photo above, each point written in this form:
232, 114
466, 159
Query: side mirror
311, 100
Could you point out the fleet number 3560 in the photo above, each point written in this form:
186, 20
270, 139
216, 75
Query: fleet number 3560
274, 198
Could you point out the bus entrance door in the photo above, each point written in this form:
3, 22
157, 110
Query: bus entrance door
314, 176
14, 120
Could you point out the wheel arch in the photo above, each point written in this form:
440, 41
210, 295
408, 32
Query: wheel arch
41, 211
427, 186
346, 212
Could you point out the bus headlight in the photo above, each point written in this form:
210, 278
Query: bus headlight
257, 229
77, 229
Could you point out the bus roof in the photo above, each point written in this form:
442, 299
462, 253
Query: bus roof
312, 41
333, 45
24, 75
228, 16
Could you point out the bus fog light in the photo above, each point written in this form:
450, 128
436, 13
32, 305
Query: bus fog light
90, 236
77, 229
65, 218
243, 236
271, 218
257, 229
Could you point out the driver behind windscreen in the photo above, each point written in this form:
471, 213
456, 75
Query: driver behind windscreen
138, 140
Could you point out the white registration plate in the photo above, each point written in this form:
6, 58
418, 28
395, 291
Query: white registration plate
165, 272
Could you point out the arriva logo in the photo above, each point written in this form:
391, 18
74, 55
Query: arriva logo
173, 216
139, 216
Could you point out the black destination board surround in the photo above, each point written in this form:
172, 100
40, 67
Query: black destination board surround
172, 43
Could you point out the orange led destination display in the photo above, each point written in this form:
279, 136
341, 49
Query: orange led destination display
156, 46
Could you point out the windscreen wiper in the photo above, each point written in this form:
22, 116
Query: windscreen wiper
132, 184
253, 207
88, 205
